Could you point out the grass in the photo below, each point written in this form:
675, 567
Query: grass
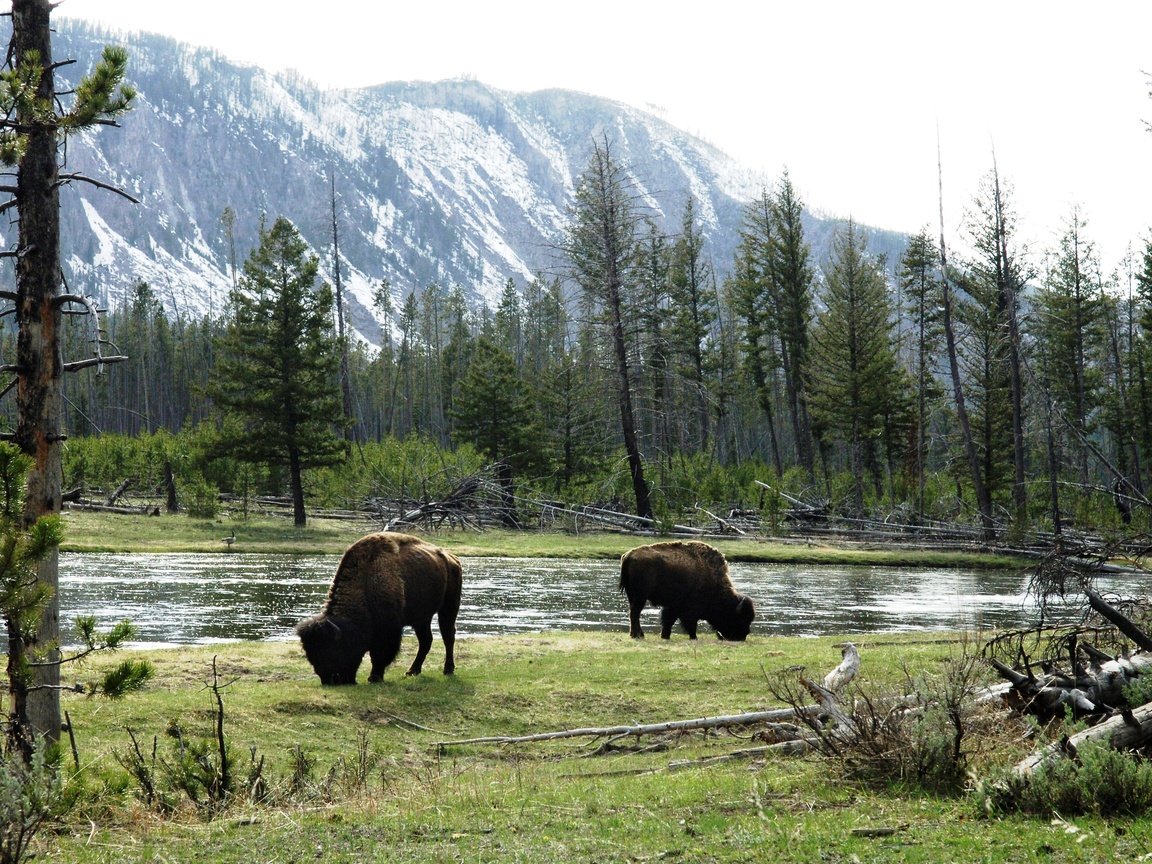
381, 789
401, 798
86, 531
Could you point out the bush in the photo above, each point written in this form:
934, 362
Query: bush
1098, 781
921, 738
201, 500
30, 793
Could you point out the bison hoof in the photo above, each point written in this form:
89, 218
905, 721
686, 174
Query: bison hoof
412, 672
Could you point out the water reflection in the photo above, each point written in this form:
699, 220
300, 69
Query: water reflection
182, 599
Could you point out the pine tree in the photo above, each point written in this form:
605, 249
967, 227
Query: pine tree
277, 378
752, 295
995, 278
918, 279
855, 377
1070, 330
792, 277
495, 411
34, 128
692, 306
1142, 354
601, 247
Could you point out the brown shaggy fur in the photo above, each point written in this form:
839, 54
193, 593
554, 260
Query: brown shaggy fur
690, 581
385, 581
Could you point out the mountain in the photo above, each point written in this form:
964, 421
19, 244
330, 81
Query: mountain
451, 182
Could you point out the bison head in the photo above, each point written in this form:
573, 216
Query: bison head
735, 626
333, 647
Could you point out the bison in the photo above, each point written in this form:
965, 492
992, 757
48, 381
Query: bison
689, 580
384, 582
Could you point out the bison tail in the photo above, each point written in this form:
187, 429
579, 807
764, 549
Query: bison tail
625, 561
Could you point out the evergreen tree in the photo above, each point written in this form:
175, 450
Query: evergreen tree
496, 412
692, 305
1071, 333
855, 379
407, 358
601, 247
277, 378
752, 295
993, 279
654, 377
1142, 354
510, 321
792, 276
35, 124
918, 279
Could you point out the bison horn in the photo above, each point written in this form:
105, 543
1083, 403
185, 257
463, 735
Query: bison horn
334, 626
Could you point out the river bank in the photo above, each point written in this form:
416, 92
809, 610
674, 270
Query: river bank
88, 531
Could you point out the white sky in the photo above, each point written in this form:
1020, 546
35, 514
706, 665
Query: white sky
847, 95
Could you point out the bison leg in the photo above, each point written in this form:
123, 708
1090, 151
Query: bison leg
689, 627
446, 618
382, 652
448, 634
667, 619
634, 610
423, 630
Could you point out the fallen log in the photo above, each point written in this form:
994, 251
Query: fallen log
717, 722
124, 510
1125, 731
1093, 688
118, 491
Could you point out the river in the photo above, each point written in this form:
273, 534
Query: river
179, 599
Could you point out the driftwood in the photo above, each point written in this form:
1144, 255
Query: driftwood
1095, 689
1096, 684
782, 722
778, 715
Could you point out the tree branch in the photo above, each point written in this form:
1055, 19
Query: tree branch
99, 360
67, 178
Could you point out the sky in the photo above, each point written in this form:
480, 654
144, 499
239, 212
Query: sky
855, 100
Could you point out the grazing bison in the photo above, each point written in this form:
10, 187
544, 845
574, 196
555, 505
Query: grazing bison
384, 582
690, 581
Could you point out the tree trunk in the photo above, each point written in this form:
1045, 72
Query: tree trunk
38, 389
299, 516
508, 515
627, 416
983, 499
345, 374
172, 502
1008, 301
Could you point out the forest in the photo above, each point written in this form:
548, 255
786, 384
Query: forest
993, 388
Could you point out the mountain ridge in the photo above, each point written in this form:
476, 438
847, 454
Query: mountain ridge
452, 182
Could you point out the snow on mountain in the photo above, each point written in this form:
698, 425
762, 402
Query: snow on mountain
451, 182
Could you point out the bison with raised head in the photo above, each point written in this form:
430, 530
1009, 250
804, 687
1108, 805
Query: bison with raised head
385, 582
689, 580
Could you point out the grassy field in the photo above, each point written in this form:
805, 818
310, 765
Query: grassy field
378, 787
86, 531
359, 773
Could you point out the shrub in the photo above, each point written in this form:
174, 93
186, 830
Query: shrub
30, 793
201, 499
1098, 780
920, 738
